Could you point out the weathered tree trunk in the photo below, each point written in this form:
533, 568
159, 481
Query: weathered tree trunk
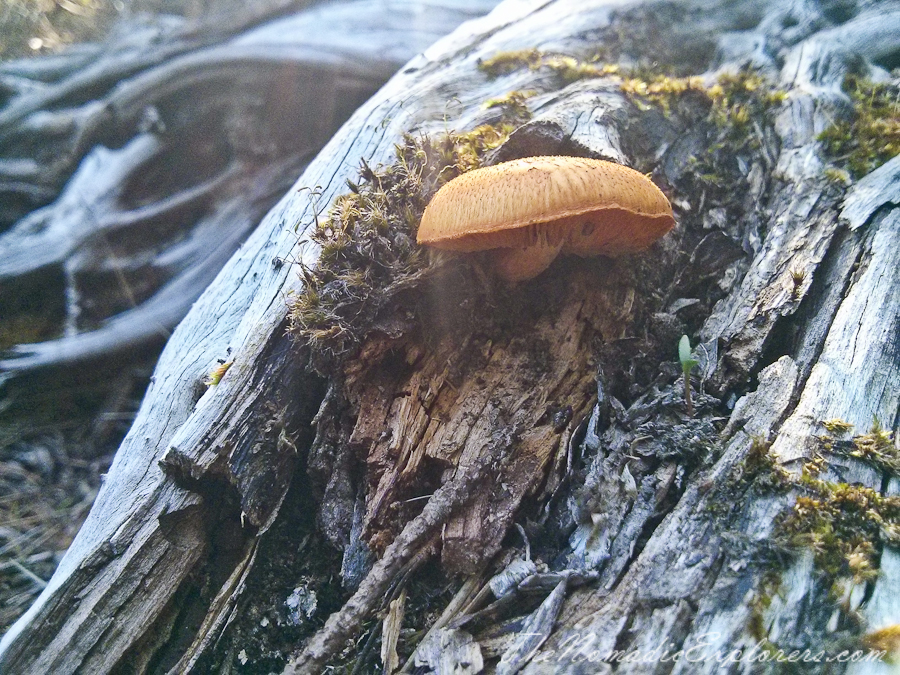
557, 407
130, 172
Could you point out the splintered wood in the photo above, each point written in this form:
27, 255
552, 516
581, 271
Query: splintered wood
430, 406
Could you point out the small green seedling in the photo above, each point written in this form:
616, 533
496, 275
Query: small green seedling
687, 363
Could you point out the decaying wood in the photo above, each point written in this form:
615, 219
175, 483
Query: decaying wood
323, 48
491, 414
673, 549
537, 382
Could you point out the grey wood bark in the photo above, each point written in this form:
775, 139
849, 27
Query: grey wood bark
657, 567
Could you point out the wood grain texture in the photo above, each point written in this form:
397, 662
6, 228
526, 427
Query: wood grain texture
641, 511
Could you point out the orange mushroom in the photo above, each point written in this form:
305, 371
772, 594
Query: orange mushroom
530, 210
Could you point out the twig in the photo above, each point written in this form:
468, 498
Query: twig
343, 623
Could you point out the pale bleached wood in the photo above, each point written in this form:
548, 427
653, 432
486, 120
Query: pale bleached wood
95, 607
848, 370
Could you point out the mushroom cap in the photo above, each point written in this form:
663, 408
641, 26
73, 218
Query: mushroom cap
585, 206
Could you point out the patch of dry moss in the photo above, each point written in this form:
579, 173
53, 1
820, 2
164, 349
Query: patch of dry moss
843, 525
737, 102
836, 425
762, 467
504, 63
568, 68
741, 106
738, 105
876, 448
513, 106
660, 90
739, 98
367, 239
871, 135
736, 98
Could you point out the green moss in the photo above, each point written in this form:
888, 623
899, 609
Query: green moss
876, 448
736, 99
737, 107
836, 426
736, 102
741, 107
570, 69
567, 68
217, 373
513, 106
660, 90
837, 176
735, 111
503, 63
759, 469
843, 526
740, 98
871, 135
367, 242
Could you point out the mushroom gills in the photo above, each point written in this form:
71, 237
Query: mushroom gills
523, 263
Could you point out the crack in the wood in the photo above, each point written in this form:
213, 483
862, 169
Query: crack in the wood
808, 311
571, 135
858, 327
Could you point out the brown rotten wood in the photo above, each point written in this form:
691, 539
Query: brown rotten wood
435, 403
666, 545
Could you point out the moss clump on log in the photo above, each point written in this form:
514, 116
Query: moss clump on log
843, 525
870, 136
738, 104
741, 106
876, 448
368, 237
504, 63
513, 105
847, 525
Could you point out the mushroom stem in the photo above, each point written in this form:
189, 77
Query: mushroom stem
521, 264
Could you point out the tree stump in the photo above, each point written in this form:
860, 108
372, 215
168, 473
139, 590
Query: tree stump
558, 405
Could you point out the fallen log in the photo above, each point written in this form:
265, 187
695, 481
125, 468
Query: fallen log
450, 406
